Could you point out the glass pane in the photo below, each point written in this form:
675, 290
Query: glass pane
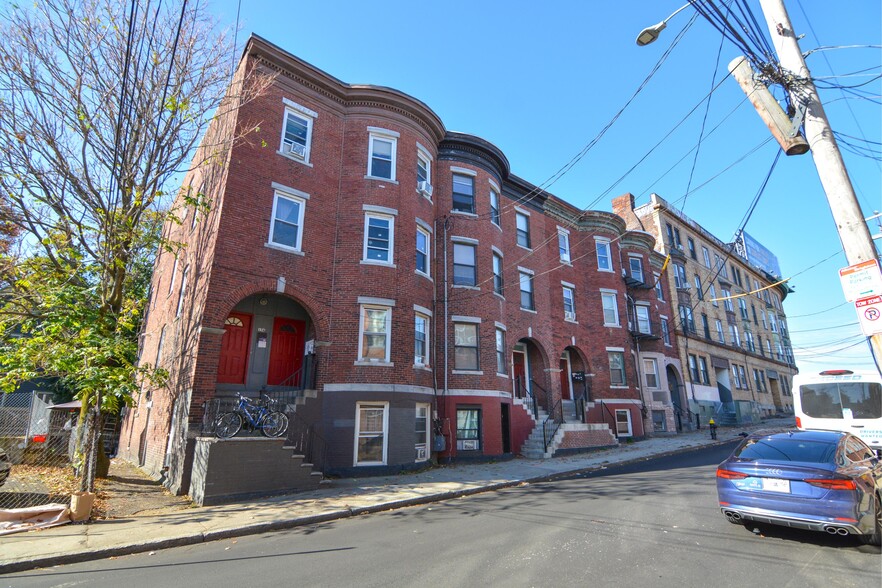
864, 399
295, 129
464, 275
375, 320
370, 419
374, 347
463, 254
382, 149
287, 210
466, 334
463, 185
285, 234
370, 449
466, 358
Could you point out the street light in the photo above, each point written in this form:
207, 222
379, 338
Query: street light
650, 34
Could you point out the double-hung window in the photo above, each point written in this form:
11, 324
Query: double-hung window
713, 294
494, 208
374, 339
687, 320
706, 254
604, 259
734, 335
422, 431
421, 339
464, 268
371, 425
693, 369
526, 279
650, 372
680, 280
297, 131
610, 309
702, 370
666, 331
563, 244
382, 152
636, 266
617, 368
463, 193
465, 346
424, 172
379, 233
742, 307
721, 337
623, 422
698, 290
183, 291
286, 229
422, 251
500, 351
659, 290
773, 322
691, 244
643, 325
498, 283
569, 302
468, 429
727, 300
522, 221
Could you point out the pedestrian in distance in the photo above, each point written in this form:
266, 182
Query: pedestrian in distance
712, 425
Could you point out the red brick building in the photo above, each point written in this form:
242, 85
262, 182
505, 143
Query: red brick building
420, 300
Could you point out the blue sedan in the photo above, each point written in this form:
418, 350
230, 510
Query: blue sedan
826, 481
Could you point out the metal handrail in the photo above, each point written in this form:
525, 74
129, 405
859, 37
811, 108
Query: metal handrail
304, 439
551, 424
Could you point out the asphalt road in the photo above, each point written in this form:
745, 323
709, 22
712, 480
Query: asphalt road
651, 524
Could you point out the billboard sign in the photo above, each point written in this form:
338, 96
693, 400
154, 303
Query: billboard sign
758, 256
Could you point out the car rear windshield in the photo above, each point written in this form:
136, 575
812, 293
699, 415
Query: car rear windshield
787, 449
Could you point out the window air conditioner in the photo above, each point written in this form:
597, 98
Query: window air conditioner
569, 315
296, 149
425, 188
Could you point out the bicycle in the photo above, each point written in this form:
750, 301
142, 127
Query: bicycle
272, 423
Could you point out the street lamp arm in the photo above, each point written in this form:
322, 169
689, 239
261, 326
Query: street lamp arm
650, 34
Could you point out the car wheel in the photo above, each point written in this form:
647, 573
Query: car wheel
876, 537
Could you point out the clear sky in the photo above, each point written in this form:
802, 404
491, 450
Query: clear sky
541, 80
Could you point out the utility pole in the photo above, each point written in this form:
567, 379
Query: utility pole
850, 223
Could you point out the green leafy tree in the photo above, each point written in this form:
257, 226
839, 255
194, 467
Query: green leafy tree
101, 107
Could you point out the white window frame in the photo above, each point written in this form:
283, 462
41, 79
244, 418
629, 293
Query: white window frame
298, 198
650, 368
621, 353
468, 175
703, 372
474, 247
563, 245
498, 276
303, 113
706, 254
391, 248
525, 276
644, 325
476, 347
358, 433
607, 296
627, 422
501, 363
713, 295
569, 315
727, 300
666, 331
603, 245
495, 211
659, 289
721, 333
182, 292
427, 327
421, 231
426, 159
637, 275
171, 285
363, 308
699, 291
391, 137
423, 450
523, 217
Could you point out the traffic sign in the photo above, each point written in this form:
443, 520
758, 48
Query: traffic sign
869, 311
861, 280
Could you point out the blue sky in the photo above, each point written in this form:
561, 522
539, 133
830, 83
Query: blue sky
542, 80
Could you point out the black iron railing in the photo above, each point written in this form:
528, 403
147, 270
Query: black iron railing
304, 439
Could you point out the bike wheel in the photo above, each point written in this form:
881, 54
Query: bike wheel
227, 425
274, 425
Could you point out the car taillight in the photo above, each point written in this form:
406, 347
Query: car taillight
833, 484
730, 475
798, 423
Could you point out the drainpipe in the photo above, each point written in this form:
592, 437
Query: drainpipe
446, 310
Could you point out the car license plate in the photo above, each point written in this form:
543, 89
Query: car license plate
776, 485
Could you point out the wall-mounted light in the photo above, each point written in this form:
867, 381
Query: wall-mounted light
263, 300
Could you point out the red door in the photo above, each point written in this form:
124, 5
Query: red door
565, 392
519, 372
234, 349
286, 354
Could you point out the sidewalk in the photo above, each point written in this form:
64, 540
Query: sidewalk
344, 498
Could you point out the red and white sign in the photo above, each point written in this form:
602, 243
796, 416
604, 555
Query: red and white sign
869, 311
861, 280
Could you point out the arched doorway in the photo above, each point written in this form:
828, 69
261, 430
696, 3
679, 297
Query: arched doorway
678, 400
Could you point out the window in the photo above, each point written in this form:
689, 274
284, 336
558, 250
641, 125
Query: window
623, 422
424, 173
659, 291
773, 323
666, 331
768, 348
693, 369
500, 352
650, 371
610, 309
670, 231
736, 377
171, 284
297, 131
563, 244
680, 280
691, 244
720, 336
378, 238
617, 368
706, 254
421, 340
463, 193
423, 435
374, 337
742, 308
727, 300
523, 229
763, 318
643, 324
758, 380
698, 289
422, 251
465, 346
636, 266
713, 294
371, 422
464, 270
743, 374
381, 156
687, 321
498, 284
702, 370
526, 291
468, 429
721, 265
749, 340
603, 256
734, 336
183, 291
569, 303
494, 208
286, 228
706, 326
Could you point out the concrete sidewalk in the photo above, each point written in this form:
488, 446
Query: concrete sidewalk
344, 498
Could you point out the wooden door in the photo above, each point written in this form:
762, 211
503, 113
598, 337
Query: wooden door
565, 386
234, 349
286, 352
519, 371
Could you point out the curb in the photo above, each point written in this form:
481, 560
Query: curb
258, 528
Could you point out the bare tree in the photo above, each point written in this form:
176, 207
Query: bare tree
101, 108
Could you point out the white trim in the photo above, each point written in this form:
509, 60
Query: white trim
500, 326
464, 213
301, 203
482, 393
526, 271
290, 191
561, 229
379, 209
424, 224
391, 248
494, 185
466, 319
464, 240
522, 211
622, 349
299, 108
464, 171
302, 113
497, 251
382, 135
362, 388
568, 285
467, 372
386, 132
385, 433
284, 248
420, 230
422, 310
376, 301
424, 150
360, 358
